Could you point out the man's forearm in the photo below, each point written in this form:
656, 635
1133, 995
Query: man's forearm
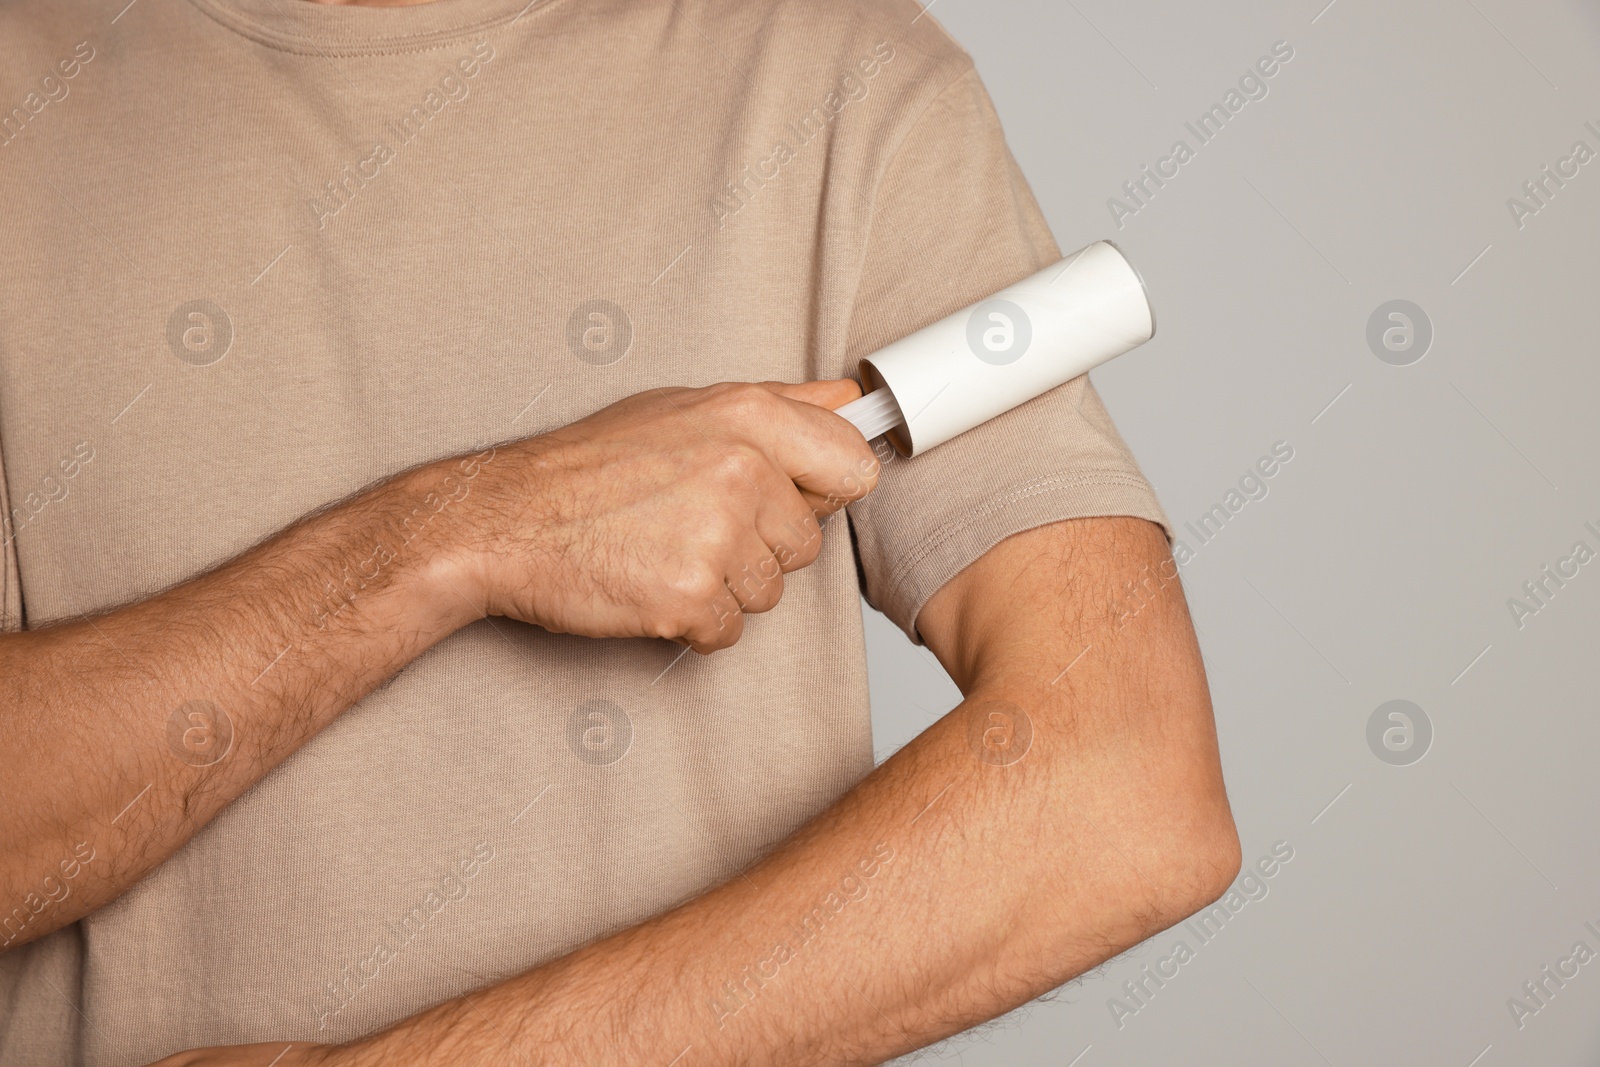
128, 731
632, 522
988, 861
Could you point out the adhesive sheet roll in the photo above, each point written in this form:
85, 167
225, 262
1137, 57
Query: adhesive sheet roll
1003, 351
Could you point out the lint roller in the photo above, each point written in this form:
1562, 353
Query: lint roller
1003, 351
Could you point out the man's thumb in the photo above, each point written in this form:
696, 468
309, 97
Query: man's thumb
829, 393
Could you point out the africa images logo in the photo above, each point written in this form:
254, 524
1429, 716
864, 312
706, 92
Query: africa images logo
199, 332
999, 332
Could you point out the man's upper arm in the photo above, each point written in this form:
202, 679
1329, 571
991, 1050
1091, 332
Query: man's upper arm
1105, 588
953, 221
1081, 630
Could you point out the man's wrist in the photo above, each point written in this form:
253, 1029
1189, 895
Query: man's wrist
420, 523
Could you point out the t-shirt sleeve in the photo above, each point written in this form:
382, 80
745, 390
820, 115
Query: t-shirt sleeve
953, 220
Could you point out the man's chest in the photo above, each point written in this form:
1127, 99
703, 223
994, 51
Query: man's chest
293, 302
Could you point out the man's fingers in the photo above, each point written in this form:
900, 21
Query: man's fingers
781, 449
830, 393
787, 523
758, 583
719, 626
822, 454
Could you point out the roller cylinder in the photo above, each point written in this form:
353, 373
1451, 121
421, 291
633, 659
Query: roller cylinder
1005, 350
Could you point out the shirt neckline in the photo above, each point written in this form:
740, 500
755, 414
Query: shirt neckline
307, 28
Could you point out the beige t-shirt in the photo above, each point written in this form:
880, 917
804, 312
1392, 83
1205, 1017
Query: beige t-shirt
260, 253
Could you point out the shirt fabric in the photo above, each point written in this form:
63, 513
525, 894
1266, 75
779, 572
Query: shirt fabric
261, 253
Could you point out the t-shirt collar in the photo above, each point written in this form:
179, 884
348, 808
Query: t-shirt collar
308, 28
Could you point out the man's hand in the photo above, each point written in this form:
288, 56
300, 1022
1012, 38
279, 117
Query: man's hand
667, 514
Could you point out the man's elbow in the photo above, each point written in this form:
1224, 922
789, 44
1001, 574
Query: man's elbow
1150, 872
1200, 864
1179, 853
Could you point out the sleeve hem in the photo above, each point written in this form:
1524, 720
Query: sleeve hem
951, 548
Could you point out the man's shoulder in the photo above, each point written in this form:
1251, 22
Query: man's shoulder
816, 28
840, 14
801, 44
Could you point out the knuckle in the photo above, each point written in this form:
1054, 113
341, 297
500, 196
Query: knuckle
759, 587
868, 466
804, 552
745, 402
696, 582
854, 476
716, 540
665, 628
741, 463
715, 631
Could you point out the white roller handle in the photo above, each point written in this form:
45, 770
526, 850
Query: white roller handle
873, 414
1003, 351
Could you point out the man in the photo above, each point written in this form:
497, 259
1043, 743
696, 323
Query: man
339, 723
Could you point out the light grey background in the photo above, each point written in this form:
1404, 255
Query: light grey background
1420, 898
